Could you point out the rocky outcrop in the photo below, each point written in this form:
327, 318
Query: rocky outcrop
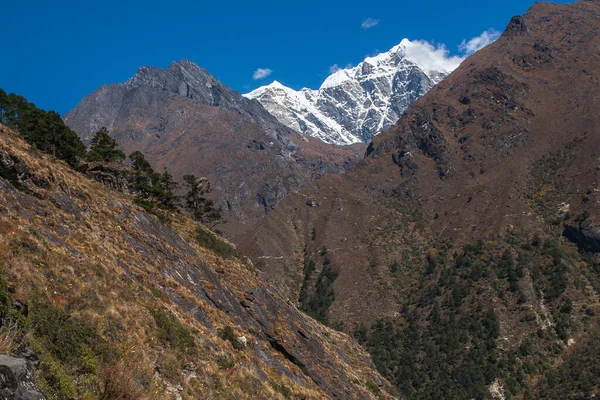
115, 176
15, 171
585, 235
17, 380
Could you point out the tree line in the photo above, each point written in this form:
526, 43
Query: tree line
46, 131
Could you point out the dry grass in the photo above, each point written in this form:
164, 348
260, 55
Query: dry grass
10, 338
90, 268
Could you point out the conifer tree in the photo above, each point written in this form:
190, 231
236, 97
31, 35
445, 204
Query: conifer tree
202, 209
168, 197
43, 129
104, 148
147, 181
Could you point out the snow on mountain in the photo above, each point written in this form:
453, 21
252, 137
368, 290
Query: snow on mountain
353, 104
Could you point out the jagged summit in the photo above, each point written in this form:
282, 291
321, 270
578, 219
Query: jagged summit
353, 104
184, 78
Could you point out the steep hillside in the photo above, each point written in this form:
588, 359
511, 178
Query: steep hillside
470, 232
184, 119
110, 302
354, 104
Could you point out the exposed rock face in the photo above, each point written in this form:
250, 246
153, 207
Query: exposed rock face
17, 173
16, 380
354, 104
115, 176
183, 78
585, 235
184, 119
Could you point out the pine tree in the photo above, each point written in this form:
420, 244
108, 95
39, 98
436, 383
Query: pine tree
168, 198
104, 148
43, 129
147, 181
202, 209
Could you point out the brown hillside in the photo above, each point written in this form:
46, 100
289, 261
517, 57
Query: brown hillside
118, 304
504, 149
529, 95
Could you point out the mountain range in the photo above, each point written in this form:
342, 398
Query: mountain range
354, 104
184, 119
456, 256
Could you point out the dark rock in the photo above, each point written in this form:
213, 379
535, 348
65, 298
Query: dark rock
257, 145
115, 176
249, 296
17, 380
65, 203
517, 27
370, 149
14, 170
312, 203
585, 236
21, 307
465, 100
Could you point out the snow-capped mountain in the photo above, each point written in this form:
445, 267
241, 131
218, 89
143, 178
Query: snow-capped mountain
353, 104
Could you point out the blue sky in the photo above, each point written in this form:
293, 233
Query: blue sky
56, 52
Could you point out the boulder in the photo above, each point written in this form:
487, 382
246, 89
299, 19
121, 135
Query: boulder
16, 380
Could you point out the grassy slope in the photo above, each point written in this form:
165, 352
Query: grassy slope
121, 305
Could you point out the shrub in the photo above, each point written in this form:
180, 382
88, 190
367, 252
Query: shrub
212, 242
171, 332
70, 339
224, 361
228, 334
118, 383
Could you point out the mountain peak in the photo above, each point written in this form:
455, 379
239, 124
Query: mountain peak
277, 85
355, 103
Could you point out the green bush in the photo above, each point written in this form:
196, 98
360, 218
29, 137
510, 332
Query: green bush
69, 339
225, 362
212, 242
171, 332
227, 333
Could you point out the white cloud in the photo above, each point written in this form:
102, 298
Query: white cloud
335, 68
431, 57
261, 73
369, 23
435, 58
479, 42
